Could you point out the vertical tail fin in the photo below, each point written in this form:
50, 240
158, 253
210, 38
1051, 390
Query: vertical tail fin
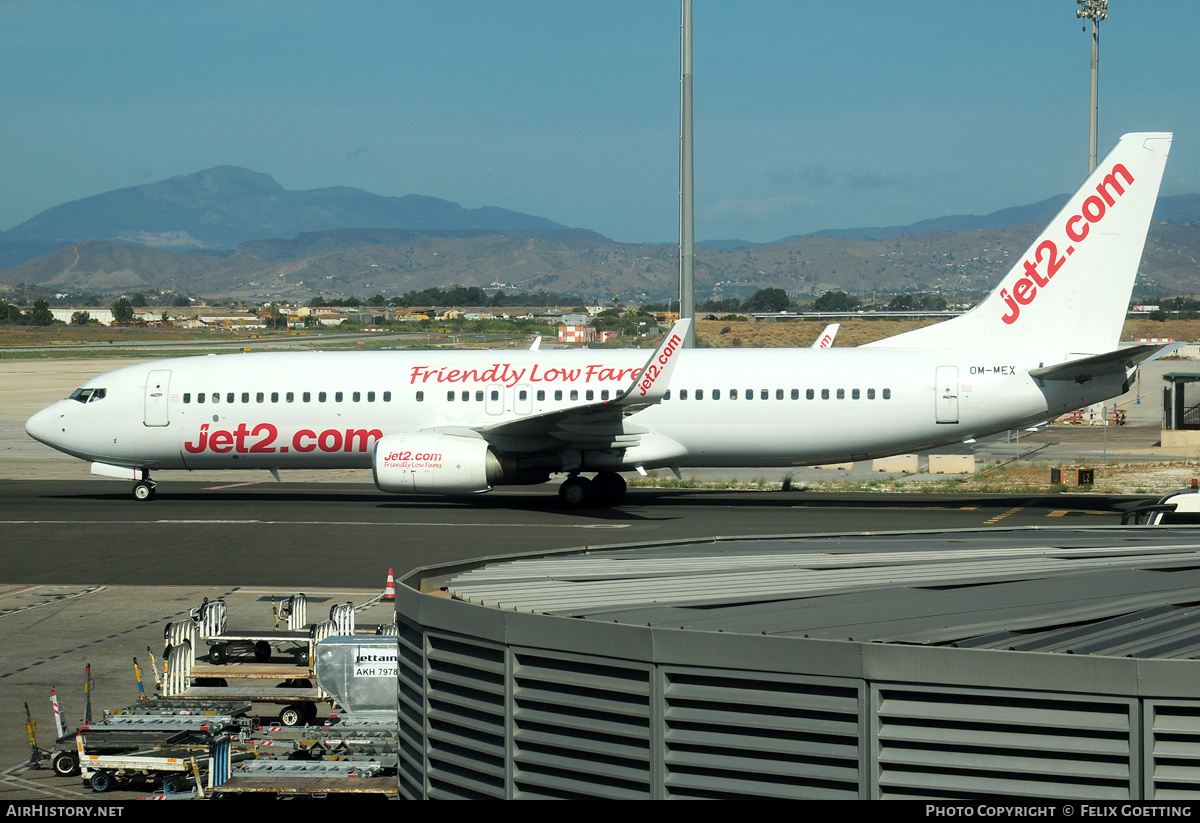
1070, 290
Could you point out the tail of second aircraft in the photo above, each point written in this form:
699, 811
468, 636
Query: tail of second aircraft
1070, 290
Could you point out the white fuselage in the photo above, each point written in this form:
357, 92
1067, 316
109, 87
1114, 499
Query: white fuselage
771, 407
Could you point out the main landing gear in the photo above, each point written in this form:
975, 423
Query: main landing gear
144, 488
605, 489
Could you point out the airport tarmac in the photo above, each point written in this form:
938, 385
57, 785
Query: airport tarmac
89, 575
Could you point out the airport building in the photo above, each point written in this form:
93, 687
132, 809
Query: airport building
1056, 663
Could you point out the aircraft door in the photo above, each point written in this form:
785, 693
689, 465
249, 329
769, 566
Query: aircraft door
524, 400
157, 385
493, 401
946, 391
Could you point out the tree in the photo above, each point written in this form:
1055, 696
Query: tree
42, 316
122, 310
81, 318
836, 301
767, 300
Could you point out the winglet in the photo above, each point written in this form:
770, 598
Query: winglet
652, 381
825, 338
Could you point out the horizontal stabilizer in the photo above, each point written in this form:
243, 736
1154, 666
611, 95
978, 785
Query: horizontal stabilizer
1098, 365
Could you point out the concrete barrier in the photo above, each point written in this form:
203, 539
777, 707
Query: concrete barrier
951, 464
906, 463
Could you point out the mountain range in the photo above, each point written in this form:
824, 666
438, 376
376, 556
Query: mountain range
234, 232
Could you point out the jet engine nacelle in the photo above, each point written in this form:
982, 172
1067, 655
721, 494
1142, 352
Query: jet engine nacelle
433, 463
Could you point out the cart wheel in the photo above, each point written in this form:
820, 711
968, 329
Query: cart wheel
262, 651
218, 654
292, 715
310, 712
65, 764
172, 785
302, 657
101, 781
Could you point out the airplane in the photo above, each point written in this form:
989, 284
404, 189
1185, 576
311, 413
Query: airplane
1043, 342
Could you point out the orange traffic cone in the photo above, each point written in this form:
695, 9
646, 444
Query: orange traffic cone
389, 591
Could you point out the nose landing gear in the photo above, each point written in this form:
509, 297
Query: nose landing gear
144, 489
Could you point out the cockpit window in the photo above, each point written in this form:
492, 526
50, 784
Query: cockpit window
88, 395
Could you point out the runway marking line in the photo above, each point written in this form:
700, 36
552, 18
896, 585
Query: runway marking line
389, 524
1000, 517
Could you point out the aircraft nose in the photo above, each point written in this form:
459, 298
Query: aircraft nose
44, 425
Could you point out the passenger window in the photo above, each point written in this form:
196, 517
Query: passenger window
450, 396
558, 394
854, 394
321, 397
229, 397
870, 394
291, 397
779, 394
795, 394
824, 394
420, 397
495, 395
370, 397
307, 397
716, 394
749, 394
699, 394
574, 394
523, 394
604, 394
622, 391
541, 395
356, 397
274, 397
808, 394
260, 397
764, 394
733, 394
337, 397
200, 397
466, 396
479, 396
887, 394
683, 394
216, 397
187, 397
591, 395
387, 396
245, 397
666, 394
841, 394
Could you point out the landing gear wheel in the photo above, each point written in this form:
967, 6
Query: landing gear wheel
143, 490
262, 651
64, 764
576, 492
101, 782
609, 488
218, 654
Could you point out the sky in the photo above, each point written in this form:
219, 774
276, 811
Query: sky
809, 114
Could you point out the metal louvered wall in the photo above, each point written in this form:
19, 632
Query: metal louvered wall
481, 718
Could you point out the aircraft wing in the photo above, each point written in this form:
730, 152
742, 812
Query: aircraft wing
600, 424
1086, 368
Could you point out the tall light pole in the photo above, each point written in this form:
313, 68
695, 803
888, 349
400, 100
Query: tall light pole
1094, 10
687, 172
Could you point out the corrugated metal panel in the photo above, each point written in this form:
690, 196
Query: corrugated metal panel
730, 734
581, 726
465, 717
1172, 750
978, 743
411, 697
